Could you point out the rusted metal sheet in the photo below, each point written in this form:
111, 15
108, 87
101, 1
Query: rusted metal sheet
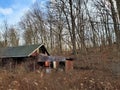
43, 58
69, 65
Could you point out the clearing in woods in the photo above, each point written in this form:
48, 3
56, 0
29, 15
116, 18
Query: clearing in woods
93, 71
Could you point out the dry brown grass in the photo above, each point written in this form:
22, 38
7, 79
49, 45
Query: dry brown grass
91, 72
74, 80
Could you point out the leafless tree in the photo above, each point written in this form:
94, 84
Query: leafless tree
13, 37
73, 24
103, 22
5, 33
33, 23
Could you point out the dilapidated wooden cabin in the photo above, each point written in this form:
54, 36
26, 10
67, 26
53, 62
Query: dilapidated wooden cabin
32, 57
55, 62
13, 56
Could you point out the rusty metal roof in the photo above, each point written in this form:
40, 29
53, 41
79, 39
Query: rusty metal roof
19, 51
43, 58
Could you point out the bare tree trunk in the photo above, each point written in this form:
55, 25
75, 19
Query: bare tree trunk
73, 27
94, 36
118, 8
116, 25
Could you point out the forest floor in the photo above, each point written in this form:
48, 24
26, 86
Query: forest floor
93, 71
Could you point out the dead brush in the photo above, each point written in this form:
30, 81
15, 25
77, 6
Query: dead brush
92, 74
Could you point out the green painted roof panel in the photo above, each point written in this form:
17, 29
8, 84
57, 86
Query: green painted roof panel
20, 51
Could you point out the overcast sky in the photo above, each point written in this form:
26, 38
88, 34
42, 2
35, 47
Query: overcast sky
12, 10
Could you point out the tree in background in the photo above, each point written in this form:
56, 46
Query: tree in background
33, 25
69, 25
9, 35
5, 34
115, 23
13, 37
118, 10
